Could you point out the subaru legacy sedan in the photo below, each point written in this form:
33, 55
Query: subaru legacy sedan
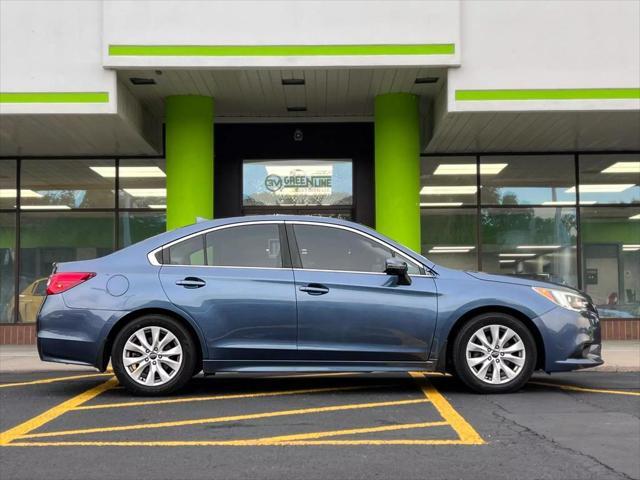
305, 294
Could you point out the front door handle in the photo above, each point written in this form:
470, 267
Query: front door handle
191, 282
315, 289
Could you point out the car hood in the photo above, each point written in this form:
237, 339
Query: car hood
527, 282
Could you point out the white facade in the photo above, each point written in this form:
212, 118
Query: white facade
586, 49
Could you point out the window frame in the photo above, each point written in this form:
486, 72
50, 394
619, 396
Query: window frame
152, 256
297, 262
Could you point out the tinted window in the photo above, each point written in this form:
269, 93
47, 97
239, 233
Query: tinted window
41, 288
245, 246
327, 248
187, 252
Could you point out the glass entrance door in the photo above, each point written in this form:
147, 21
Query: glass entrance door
298, 187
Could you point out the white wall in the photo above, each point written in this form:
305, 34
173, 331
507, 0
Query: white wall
53, 46
278, 22
548, 45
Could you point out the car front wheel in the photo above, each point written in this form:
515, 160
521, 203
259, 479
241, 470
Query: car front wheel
153, 355
494, 353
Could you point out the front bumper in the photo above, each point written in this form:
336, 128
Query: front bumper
572, 339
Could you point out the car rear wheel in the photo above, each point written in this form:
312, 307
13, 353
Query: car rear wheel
153, 355
494, 353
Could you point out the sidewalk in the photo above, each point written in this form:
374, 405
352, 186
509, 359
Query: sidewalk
619, 356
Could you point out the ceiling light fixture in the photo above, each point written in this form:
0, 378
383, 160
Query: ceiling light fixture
517, 255
538, 247
142, 81
146, 192
425, 80
630, 248
570, 202
450, 190
158, 207
449, 251
452, 248
129, 172
45, 207
469, 168
507, 261
293, 81
635, 217
441, 204
602, 188
623, 167
11, 193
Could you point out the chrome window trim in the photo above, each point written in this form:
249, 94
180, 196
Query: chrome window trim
151, 256
366, 235
426, 275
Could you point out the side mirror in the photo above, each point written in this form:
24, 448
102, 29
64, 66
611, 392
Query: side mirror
399, 268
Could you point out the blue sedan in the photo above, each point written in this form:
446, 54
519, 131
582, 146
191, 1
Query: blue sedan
305, 294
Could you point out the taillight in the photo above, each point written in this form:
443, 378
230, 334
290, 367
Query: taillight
63, 281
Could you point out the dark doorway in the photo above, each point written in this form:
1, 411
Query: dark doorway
306, 168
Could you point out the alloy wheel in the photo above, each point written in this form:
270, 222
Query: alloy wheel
495, 354
152, 356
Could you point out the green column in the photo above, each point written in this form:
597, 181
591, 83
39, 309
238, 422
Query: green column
189, 152
397, 168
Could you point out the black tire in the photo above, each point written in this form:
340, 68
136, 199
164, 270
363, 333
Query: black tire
189, 355
464, 371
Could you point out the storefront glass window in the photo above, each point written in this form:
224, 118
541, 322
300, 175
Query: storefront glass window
7, 265
49, 237
528, 180
57, 184
611, 259
609, 179
449, 237
297, 183
143, 183
136, 226
448, 181
537, 243
8, 179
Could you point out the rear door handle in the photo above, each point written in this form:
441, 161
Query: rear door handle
191, 282
315, 289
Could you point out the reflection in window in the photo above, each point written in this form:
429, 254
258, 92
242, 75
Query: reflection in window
528, 179
611, 259
7, 265
297, 182
327, 248
609, 179
245, 246
449, 237
448, 181
143, 183
50, 237
538, 243
136, 226
8, 179
64, 184
187, 252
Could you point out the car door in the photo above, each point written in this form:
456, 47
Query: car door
235, 281
348, 309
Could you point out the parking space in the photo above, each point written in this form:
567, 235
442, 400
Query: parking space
582, 425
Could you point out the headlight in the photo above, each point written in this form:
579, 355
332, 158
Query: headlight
568, 300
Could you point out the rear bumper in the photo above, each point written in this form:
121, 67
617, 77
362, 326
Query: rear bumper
67, 335
572, 339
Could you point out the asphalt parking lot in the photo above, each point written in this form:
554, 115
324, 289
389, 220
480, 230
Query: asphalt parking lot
582, 425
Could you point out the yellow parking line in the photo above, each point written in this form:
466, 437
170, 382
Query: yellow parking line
465, 431
233, 418
226, 397
353, 431
236, 443
574, 388
55, 412
53, 380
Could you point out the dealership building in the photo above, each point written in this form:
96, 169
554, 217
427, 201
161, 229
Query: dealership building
494, 136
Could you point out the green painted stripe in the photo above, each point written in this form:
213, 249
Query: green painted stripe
278, 50
549, 94
54, 97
